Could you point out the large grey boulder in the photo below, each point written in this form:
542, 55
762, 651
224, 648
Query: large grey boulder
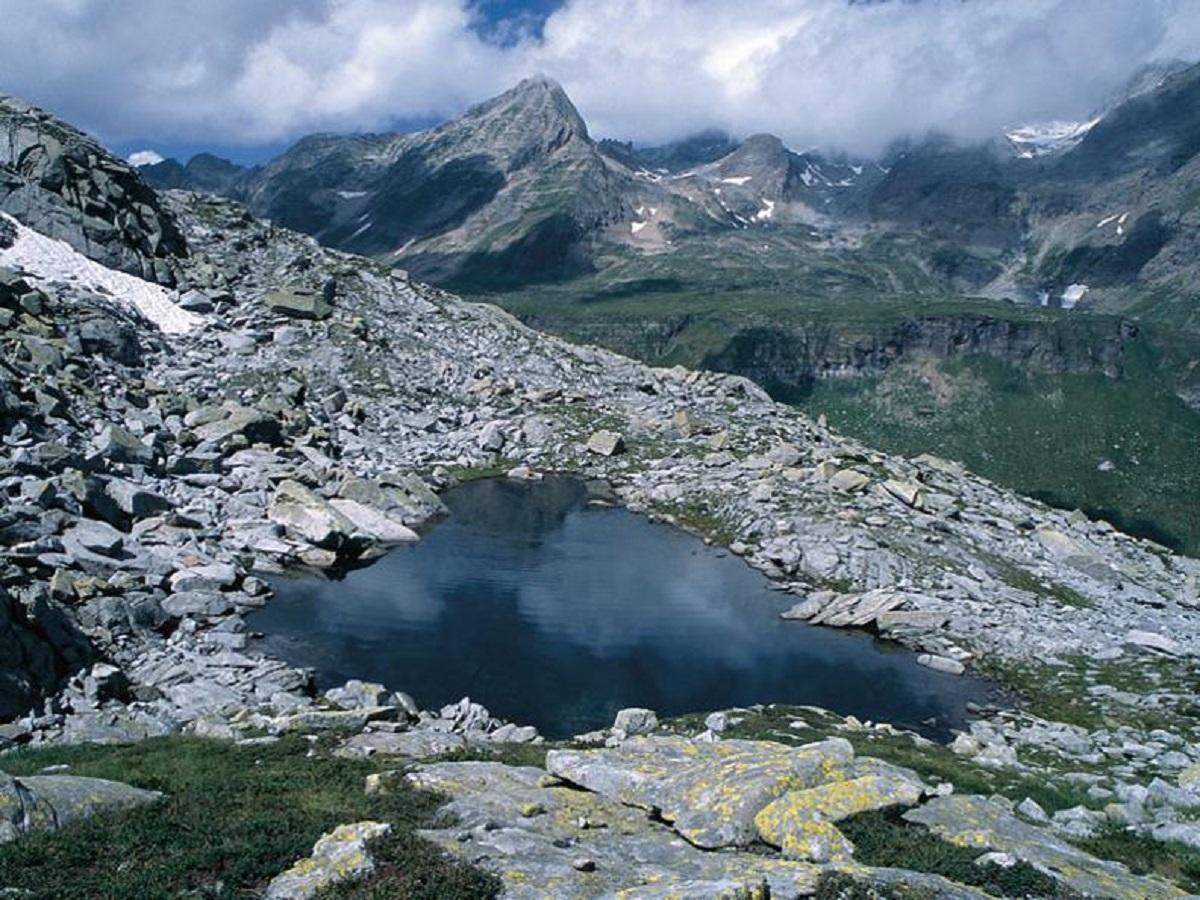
47, 802
710, 793
298, 303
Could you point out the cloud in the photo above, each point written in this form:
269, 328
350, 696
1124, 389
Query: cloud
816, 72
145, 158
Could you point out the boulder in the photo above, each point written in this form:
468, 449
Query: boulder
118, 445
800, 822
709, 792
635, 721
308, 516
256, 426
298, 303
340, 855
198, 604
606, 443
408, 744
373, 524
941, 663
47, 802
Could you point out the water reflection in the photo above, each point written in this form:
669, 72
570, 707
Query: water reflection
556, 614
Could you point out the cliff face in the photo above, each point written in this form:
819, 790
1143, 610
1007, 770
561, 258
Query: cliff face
798, 356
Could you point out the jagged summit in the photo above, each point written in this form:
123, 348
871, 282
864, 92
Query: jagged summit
535, 112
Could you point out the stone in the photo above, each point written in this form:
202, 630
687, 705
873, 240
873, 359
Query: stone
849, 480
105, 682
207, 577
916, 620
254, 425
408, 744
96, 536
941, 663
709, 792
907, 492
203, 604
340, 855
1158, 643
635, 721
799, 823
355, 694
308, 516
685, 423
299, 304
119, 445
587, 845
135, 501
606, 443
373, 524
491, 437
196, 302
1032, 810
47, 802
316, 720
716, 722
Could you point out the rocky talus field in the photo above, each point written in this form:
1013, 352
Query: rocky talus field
264, 404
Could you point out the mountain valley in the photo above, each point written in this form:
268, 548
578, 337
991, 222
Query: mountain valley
214, 378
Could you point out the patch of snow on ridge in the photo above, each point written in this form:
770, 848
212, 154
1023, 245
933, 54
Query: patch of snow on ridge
635, 227
1031, 141
767, 211
738, 180
49, 260
351, 195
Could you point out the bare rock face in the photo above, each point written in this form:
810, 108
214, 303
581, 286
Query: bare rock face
62, 183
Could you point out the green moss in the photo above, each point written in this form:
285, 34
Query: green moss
233, 817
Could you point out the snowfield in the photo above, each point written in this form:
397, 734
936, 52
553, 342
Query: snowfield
50, 260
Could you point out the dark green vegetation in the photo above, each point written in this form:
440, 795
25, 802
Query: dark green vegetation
884, 839
1144, 855
233, 818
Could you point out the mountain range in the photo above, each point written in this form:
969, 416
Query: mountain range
1025, 304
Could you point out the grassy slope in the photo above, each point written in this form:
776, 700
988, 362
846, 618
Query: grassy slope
233, 818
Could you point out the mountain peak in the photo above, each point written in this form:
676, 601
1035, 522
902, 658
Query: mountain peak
537, 105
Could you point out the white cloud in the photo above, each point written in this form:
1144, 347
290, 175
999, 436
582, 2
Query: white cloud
822, 72
145, 158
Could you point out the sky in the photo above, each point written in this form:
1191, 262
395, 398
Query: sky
245, 79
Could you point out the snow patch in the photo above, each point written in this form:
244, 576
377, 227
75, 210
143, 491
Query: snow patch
635, 227
50, 260
1072, 296
738, 180
351, 195
1032, 141
767, 211
359, 231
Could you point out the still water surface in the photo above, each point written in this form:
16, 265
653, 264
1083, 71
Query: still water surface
555, 613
